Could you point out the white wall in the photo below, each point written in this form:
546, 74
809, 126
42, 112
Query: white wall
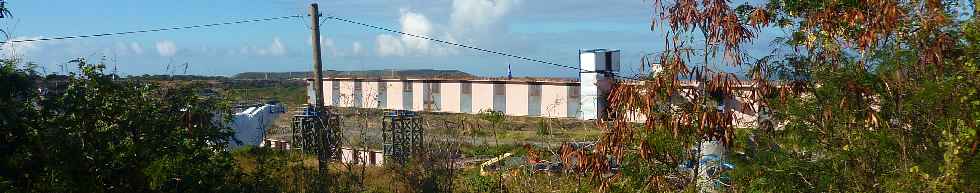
451, 93
590, 96
369, 90
517, 99
346, 93
395, 90
482, 97
362, 157
310, 92
327, 93
554, 101
418, 96
587, 61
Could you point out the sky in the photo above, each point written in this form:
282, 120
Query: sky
551, 31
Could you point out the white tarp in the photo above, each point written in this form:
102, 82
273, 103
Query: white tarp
250, 125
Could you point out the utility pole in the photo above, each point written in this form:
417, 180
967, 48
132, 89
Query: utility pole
318, 102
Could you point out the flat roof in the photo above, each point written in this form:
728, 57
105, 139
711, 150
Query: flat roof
599, 50
440, 80
684, 83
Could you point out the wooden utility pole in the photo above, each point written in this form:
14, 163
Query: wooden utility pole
318, 102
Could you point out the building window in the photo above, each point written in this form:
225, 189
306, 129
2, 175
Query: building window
407, 92
431, 97
574, 101
382, 95
358, 93
499, 89
500, 97
534, 100
467, 88
466, 99
574, 92
335, 93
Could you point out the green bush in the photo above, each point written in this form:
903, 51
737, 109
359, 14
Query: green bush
90, 133
474, 182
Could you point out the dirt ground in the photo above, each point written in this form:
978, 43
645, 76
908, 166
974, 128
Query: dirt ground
363, 127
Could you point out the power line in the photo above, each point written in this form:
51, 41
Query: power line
462, 45
154, 30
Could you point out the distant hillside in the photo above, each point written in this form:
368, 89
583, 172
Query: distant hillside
422, 73
176, 77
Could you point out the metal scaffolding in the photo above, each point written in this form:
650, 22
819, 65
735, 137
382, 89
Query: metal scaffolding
317, 131
401, 135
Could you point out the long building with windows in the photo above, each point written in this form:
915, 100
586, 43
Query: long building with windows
556, 99
583, 99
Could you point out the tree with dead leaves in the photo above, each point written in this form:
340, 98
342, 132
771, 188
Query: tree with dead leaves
868, 95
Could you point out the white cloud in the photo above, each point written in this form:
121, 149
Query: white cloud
136, 48
123, 48
277, 48
166, 48
469, 18
326, 44
20, 49
478, 15
390, 46
357, 48
418, 24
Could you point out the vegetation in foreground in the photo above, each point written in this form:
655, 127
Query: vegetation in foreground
90, 133
877, 96
858, 96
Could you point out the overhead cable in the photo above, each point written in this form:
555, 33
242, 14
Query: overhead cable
461, 45
153, 30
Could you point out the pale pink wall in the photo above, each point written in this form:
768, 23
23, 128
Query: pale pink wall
451, 92
395, 90
309, 87
327, 93
417, 96
363, 157
746, 111
517, 99
554, 101
346, 93
482, 97
369, 90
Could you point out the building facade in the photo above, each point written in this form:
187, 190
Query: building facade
553, 99
585, 99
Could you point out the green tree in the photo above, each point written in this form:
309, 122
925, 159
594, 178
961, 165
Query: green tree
865, 96
89, 133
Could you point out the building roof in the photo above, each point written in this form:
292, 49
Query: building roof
598, 50
528, 81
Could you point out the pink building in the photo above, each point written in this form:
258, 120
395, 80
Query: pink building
555, 99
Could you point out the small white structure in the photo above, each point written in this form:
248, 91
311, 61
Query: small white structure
361, 156
250, 125
599, 67
275, 144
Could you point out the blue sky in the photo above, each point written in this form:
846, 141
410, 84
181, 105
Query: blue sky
547, 30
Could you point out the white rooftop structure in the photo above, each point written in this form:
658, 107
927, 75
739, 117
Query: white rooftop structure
599, 67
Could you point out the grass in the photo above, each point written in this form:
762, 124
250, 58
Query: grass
478, 136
